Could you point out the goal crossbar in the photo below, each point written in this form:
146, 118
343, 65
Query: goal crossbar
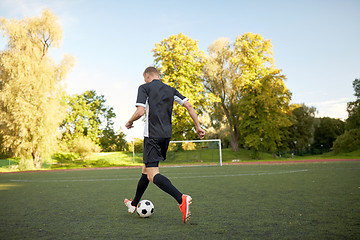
208, 140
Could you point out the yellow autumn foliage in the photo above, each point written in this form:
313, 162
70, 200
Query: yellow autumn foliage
31, 86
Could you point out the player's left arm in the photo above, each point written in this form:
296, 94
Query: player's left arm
139, 112
194, 116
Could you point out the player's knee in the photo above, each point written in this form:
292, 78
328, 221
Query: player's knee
150, 177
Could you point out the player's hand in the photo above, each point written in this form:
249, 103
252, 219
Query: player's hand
200, 132
129, 125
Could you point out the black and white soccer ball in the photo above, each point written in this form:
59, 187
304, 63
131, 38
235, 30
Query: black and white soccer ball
145, 208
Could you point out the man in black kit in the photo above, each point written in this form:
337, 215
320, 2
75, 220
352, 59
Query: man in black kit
155, 99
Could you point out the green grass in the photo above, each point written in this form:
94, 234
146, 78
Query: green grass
210, 155
96, 160
278, 201
198, 157
204, 156
106, 160
332, 155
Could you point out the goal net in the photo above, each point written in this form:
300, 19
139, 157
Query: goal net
195, 152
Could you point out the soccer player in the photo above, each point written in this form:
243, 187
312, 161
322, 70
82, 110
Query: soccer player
155, 99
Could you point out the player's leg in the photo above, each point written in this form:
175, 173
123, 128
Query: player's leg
153, 173
144, 179
141, 187
165, 184
156, 149
186, 200
151, 169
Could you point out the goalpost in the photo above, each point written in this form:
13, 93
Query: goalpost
195, 152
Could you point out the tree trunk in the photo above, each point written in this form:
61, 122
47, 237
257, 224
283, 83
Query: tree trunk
233, 130
234, 140
36, 159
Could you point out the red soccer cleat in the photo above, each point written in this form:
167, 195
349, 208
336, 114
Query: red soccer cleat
185, 207
131, 208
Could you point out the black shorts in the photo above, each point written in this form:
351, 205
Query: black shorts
151, 164
155, 149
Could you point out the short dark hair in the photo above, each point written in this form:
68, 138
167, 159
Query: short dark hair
151, 71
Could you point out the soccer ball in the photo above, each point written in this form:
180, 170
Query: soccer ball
145, 208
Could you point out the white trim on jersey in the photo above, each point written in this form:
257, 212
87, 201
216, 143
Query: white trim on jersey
179, 100
146, 106
140, 105
146, 127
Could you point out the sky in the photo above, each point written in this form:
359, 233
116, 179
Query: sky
315, 43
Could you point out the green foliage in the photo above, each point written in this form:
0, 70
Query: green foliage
31, 87
326, 132
137, 145
249, 90
65, 157
265, 98
111, 141
84, 146
300, 135
353, 108
87, 116
181, 65
348, 142
356, 86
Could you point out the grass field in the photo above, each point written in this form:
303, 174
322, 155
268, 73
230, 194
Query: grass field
277, 201
199, 157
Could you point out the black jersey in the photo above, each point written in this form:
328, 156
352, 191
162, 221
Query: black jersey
158, 99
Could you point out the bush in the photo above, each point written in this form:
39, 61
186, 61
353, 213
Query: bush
63, 157
84, 146
348, 142
138, 143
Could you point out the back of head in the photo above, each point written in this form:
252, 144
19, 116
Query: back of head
151, 71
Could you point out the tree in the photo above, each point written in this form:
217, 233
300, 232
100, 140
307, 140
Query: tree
265, 98
347, 142
216, 127
111, 141
301, 132
250, 91
31, 87
87, 116
326, 132
353, 108
350, 140
181, 65
220, 82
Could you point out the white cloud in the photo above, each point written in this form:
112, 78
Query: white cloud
21, 8
24, 8
332, 108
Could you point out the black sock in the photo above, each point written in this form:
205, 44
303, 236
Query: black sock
141, 187
164, 184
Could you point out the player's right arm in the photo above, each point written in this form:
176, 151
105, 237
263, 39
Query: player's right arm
140, 110
140, 106
194, 116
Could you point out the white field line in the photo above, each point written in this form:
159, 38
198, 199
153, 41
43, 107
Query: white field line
131, 179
